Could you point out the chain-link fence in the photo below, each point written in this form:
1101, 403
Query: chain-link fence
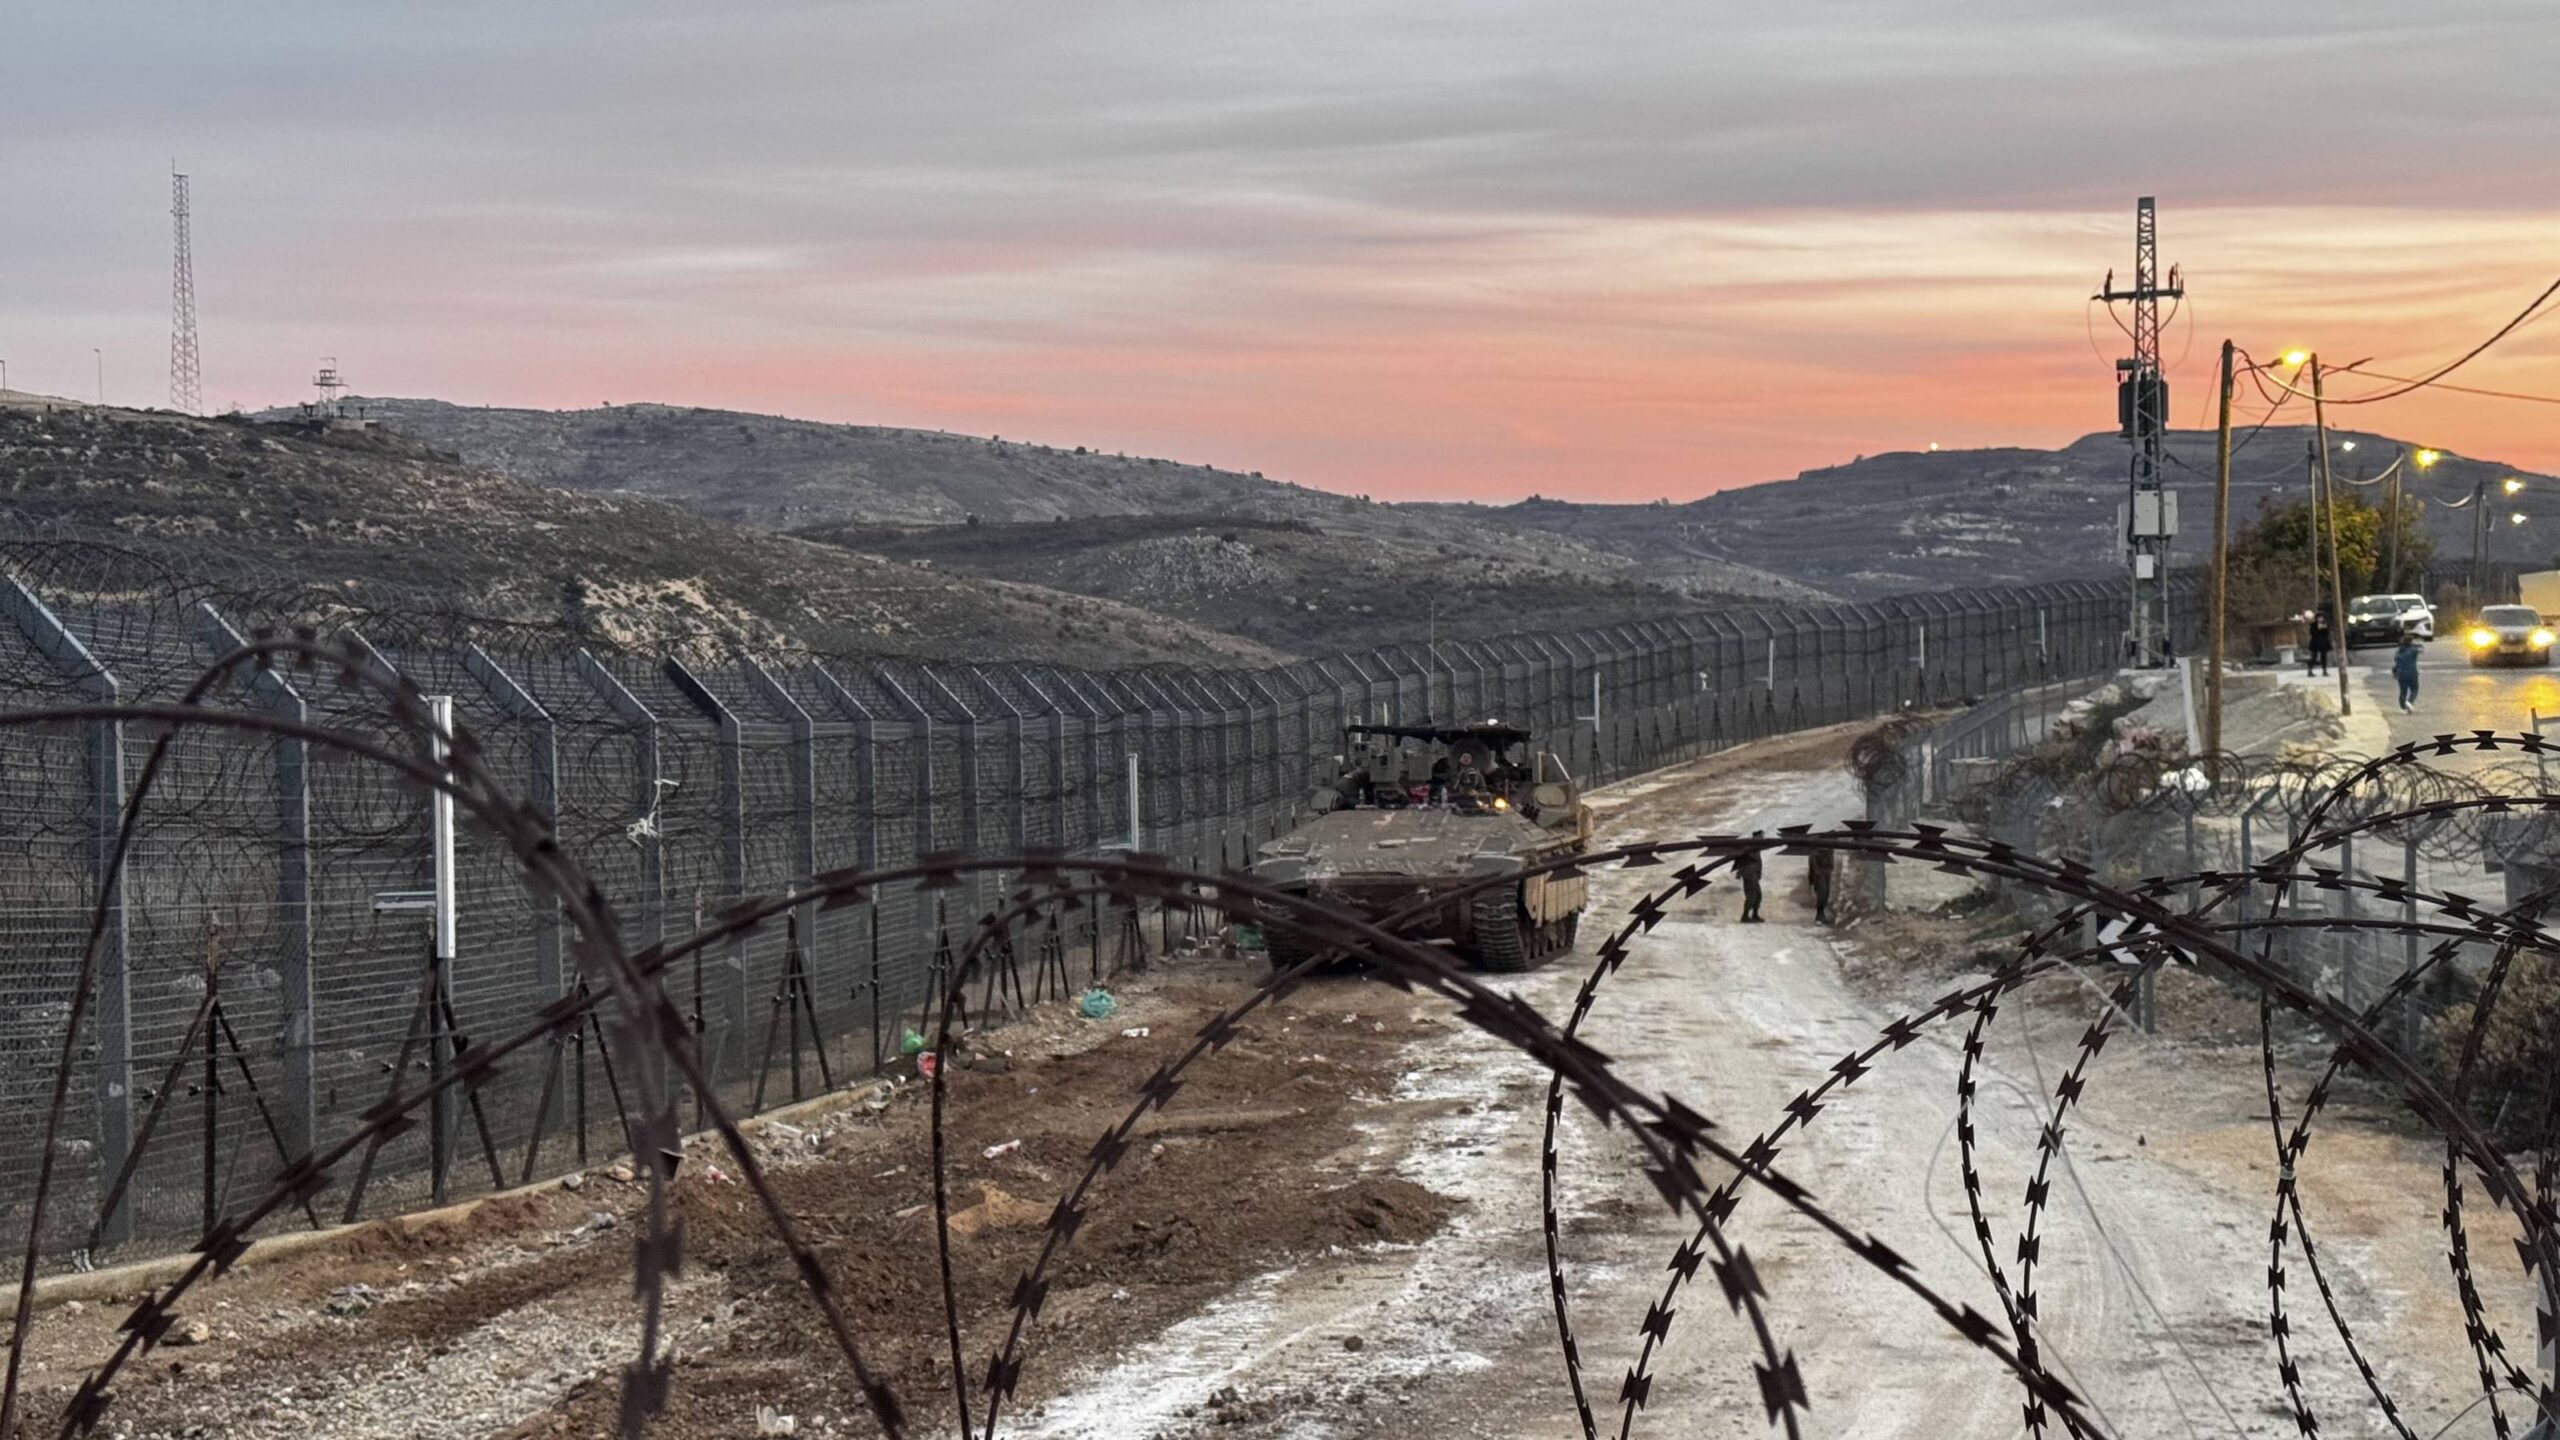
2390, 839
269, 956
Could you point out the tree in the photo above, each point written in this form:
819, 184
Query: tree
2280, 566
577, 608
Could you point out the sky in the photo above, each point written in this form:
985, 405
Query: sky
1606, 249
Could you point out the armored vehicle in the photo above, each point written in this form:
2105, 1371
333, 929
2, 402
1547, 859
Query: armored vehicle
1415, 811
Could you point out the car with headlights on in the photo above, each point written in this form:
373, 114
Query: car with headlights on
2383, 619
2509, 635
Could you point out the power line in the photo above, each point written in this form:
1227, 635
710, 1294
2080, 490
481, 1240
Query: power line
2437, 375
2469, 389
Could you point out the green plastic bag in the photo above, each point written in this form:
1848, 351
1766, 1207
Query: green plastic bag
910, 1043
1098, 1004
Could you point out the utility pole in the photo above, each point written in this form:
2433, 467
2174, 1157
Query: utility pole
2311, 482
2479, 534
186, 381
2337, 590
2391, 566
2221, 576
2142, 412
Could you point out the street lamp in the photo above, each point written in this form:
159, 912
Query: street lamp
2511, 484
2516, 519
2426, 459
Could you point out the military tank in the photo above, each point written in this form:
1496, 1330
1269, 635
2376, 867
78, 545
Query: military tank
1418, 811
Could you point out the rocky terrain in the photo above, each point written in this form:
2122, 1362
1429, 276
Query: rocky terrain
1877, 525
779, 474
372, 521
1323, 572
658, 525
1926, 520
1297, 586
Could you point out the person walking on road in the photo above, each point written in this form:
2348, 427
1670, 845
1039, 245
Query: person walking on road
1746, 868
1817, 873
2316, 653
2404, 668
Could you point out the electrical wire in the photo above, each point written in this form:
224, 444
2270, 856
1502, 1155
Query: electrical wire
2436, 376
2089, 1207
2474, 389
2089, 317
2387, 472
2035, 1102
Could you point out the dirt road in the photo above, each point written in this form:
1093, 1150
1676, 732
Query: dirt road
1343, 1238
2154, 1261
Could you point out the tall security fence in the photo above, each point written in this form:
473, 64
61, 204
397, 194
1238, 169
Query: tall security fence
270, 951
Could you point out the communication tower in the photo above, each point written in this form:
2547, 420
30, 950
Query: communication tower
186, 378
2142, 414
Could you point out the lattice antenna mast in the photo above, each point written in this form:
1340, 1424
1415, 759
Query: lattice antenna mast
2142, 412
186, 378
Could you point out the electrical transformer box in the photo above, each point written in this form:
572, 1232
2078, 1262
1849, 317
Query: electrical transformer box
2155, 515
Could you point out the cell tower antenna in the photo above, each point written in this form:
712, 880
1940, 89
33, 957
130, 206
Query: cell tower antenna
2142, 413
186, 375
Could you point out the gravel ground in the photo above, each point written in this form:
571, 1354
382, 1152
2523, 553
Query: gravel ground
1345, 1240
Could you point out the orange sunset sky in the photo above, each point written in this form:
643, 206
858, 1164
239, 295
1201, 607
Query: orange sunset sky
1606, 250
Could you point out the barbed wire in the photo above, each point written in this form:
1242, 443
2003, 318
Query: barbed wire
377, 721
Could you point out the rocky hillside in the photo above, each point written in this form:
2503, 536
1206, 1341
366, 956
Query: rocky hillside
1322, 571
781, 474
1884, 524
388, 524
1298, 586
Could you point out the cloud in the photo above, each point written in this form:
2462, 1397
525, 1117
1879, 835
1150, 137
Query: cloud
1447, 246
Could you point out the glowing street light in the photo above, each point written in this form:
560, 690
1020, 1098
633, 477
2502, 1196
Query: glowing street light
2516, 519
2512, 484
2426, 458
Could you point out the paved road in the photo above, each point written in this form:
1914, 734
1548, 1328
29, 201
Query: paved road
2453, 697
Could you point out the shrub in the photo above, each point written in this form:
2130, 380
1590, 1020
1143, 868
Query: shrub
2519, 1052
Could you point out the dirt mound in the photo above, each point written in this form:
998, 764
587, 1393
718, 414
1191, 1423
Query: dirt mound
515, 1318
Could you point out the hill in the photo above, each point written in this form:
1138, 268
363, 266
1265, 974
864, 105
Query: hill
1884, 524
1321, 572
1296, 586
375, 521
780, 474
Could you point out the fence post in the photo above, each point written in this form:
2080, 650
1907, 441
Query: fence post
1060, 693
542, 793
866, 831
727, 1060
919, 726
1015, 718
645, 792
300, 1117
972, 823
1055, 741
111, 1069
804, 821
866, 762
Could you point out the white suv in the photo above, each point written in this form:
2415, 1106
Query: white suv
2417, 617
